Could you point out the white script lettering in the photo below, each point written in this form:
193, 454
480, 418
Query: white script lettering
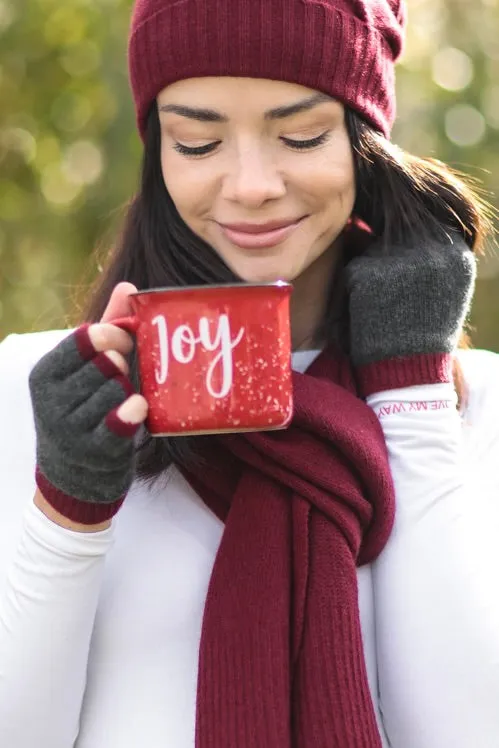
183, 344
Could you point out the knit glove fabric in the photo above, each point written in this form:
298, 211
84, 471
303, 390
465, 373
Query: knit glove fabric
410, 302
85, 453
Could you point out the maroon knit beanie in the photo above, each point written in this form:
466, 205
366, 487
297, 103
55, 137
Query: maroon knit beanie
345, 48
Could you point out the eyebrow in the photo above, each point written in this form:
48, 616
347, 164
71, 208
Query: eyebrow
280, 112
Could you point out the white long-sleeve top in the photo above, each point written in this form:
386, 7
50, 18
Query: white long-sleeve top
99, 633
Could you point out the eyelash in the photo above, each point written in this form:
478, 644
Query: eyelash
299, 145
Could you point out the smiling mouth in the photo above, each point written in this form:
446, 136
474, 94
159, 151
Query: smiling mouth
253, 237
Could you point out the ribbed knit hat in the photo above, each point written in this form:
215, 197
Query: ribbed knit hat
345, 48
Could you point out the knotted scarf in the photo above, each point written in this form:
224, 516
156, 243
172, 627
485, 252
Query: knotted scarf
281, 657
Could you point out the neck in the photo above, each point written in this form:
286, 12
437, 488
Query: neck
309, 299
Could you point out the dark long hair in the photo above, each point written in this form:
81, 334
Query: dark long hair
401, 198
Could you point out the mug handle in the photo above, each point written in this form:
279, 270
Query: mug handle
129, 324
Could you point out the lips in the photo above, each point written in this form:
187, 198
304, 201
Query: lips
258, 236
261, 228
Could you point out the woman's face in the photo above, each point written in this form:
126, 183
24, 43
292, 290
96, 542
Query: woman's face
262, 170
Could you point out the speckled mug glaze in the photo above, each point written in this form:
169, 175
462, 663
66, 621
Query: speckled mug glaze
214, 359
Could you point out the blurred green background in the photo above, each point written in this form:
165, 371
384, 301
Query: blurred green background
69, 153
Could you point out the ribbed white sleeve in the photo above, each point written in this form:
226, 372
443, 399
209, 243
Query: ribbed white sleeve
46, 618
436, 583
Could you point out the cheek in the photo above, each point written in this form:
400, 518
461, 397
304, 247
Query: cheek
343, 191
337, 185
331, 182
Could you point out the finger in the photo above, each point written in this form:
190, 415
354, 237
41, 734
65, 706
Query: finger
119, 361
92, 411
84, 419
119, 304
125, 420
77, 389
133, 410
104, 337
63, 360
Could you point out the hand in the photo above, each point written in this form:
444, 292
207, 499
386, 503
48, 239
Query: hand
411, 300
86, 415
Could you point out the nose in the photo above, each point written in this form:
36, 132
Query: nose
253, 177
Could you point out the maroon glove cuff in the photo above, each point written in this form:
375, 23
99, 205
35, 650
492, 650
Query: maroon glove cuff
395, 373
73, 509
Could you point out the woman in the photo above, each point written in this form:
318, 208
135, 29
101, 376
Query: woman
234, 600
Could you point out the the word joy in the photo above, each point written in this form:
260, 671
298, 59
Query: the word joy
183, 343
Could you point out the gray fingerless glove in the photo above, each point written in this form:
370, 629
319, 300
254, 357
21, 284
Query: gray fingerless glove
411, 301
85, 453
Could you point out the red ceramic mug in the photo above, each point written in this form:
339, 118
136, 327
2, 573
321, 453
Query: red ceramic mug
214, 359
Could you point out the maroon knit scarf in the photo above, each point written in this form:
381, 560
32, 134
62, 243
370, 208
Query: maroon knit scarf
281, 658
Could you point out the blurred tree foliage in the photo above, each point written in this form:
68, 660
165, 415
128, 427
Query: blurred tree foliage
69, 152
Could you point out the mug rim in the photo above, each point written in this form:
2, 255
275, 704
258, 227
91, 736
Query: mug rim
274, 284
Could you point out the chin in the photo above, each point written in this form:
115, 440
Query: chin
266, 275
267, 278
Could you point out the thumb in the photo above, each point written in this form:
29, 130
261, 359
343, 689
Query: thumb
119, 305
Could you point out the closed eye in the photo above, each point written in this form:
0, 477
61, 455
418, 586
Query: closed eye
304, 144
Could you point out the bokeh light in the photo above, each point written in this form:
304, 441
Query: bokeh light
465, 125
452, 69
83, 163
